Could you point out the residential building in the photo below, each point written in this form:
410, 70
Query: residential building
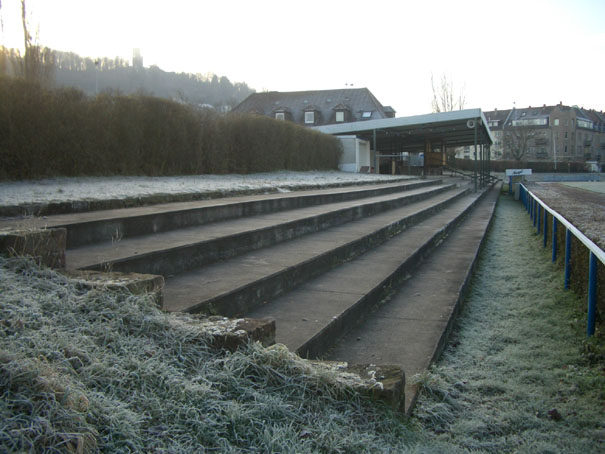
558, 132
317, 107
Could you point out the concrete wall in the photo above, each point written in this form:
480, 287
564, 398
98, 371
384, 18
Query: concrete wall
356, 154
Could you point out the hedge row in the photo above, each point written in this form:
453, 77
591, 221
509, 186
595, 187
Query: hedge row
62, 132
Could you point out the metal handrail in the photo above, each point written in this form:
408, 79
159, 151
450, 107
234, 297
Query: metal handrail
492, 178
533, 203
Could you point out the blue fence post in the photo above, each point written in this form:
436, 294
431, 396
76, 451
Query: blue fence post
567, 258
592, 294
539, 218
535, 212
524, 196
510, 185
554, 239
545, 226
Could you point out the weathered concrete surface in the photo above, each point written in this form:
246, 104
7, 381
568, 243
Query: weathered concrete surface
82, 206
113, 224
314, 315
177, 251
412, 325
384, 382
135, 283
236, 286
227, 333
46, 246
378, 382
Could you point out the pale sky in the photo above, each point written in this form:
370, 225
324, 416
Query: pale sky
527, 52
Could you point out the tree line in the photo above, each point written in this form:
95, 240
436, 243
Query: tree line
103, 75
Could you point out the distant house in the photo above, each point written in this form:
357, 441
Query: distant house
317, 107
559, 132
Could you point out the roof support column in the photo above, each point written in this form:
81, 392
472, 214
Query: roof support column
443, 157
376, 157
427, 153
482, 166
489, 163
475, 163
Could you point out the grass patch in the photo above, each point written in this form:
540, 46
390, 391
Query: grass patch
518, 374
101, 371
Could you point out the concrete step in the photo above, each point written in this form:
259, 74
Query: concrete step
107, 225
310, 318
177, 251
236, 286
410, 327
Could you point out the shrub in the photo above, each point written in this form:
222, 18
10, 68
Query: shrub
62, 132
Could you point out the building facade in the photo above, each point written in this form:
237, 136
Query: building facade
560, 133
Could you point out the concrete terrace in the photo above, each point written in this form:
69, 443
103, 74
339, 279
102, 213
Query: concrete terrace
367, 274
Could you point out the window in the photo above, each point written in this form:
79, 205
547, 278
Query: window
340, 116
556, 122
530, 122
309, 117
565, 148
280, 116
584, 124
366, 114
566, 134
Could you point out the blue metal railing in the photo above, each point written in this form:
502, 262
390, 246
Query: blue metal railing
538, 211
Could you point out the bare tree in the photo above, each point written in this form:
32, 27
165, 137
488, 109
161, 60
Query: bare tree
516, 141
38, 62
444, 99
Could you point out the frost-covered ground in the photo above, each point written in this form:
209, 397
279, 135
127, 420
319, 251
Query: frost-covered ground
518, 375
103, 188
594, 186
582, 204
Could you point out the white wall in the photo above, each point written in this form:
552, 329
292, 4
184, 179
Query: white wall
356, 154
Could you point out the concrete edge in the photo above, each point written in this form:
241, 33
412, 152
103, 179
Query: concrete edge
80, 206
81, 233
215, 249
45, 246
135, 283
268, 287
314, 347
412, 389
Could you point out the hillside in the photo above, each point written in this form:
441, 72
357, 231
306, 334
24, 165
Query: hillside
116, 75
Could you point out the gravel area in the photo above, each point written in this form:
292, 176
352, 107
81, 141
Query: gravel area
582, 207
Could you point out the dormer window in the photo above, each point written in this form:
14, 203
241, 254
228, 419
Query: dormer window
311, 115
366, 114
342, 113
282, 113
